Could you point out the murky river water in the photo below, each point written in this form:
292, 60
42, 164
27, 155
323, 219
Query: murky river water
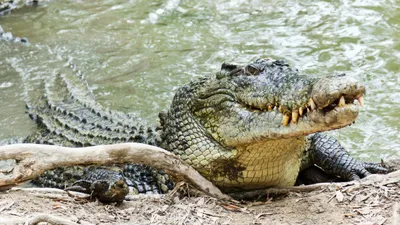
136, 53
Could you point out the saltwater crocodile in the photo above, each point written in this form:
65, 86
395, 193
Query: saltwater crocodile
246, 127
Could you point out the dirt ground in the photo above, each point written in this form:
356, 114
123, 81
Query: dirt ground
375, 201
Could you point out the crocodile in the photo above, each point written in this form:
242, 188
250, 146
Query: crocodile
140, 178
246, 127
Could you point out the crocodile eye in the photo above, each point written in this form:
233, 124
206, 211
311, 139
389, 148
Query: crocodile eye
228, 69
250, 70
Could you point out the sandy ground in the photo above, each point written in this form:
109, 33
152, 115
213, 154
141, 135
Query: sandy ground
376, 202
372, 200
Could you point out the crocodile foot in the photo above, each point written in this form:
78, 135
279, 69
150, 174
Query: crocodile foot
105, 185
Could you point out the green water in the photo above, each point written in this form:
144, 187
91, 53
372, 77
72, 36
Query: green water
136, 53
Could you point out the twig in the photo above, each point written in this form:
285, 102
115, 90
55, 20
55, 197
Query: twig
332, 197
376, 178
143, 196
281, 191
7, 206
52, 193
33, 159
48, 191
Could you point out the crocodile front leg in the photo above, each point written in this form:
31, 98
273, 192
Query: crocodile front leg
105, 185
327, 153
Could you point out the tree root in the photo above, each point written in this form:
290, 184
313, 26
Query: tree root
33, 159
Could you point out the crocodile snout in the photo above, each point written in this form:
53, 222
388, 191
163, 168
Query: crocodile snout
337, 90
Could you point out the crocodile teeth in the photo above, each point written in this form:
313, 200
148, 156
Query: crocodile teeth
312, 104
361, 100
280, 108
295, 116
301, 111
270, 108
260, 104
342, 102
285, 120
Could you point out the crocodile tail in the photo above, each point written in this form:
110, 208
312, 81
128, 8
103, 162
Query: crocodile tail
67, 114
59, 100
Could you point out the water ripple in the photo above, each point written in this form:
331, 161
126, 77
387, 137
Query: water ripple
136, 53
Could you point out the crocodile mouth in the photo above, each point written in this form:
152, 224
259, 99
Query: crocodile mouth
310, 110
329, 98
342, 104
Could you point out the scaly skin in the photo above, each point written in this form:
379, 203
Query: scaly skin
242, 128
247, 127
104, 185
67, 116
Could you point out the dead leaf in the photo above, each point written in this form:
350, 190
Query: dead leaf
339, 196
201, 201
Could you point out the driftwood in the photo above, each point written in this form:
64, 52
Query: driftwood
33, 159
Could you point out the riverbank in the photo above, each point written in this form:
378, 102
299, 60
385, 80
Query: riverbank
376, 200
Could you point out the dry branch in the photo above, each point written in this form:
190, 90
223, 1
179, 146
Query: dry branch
50, 193
55, 193
33, 159
381, 179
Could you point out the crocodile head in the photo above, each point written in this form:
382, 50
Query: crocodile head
268, 99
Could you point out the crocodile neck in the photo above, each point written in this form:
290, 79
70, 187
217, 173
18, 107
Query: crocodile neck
273, 162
